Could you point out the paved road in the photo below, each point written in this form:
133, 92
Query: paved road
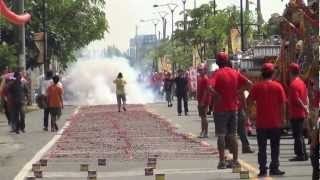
191, 123
16, 150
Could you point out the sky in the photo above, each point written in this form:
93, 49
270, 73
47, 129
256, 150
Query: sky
125, 15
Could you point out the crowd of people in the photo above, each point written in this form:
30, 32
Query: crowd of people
221, 92
15, 94
224, 92
229, 94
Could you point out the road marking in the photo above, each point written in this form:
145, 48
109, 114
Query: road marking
28, 166
249, 167
133, 173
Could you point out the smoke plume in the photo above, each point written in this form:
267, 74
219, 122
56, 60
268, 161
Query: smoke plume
90, 82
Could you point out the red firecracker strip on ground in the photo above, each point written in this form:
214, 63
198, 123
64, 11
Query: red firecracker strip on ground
100, 132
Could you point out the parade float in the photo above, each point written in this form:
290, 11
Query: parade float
300, 44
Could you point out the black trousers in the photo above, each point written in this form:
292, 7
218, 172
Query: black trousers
17, 117
297, 132
314, 156
262, 136
242, 129
185, 103
45, 117
6, 111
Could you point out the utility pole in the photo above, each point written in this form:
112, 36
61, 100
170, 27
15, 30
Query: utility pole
21, 38
241, 25
46, 61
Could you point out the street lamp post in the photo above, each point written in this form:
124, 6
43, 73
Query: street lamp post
155, 23
163, 15
172, 7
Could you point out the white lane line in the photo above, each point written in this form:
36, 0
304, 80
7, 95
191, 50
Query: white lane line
28, 166
132, 173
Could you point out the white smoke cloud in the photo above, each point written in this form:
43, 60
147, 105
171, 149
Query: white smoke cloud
90, 82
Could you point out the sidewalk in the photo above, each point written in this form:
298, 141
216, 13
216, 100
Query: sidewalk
17, 150
191, 124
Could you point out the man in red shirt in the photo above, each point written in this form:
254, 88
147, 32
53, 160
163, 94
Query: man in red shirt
225, 85
203, 99
270, 100
298, 110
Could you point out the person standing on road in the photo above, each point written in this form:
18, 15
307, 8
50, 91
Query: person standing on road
43, 98
167, 87
55, 102
225, 86
203, 99
242, 118
270, 100
298, 110
17, 92
182, 92
120, 91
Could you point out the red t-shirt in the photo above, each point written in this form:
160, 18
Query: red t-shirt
227, 81
297, 90
202, 90
269, 97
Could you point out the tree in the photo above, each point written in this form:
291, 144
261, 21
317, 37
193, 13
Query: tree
71, 25
8, 56
272, 27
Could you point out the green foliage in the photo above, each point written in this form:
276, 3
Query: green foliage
71, 25
272, 27
208, 33
8, 57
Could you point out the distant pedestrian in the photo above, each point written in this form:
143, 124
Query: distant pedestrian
44, 84
225, 85
182, 92
4, 97
120, 92
167, 86
270, 100
242, 119
203, 98
17, 92
298, 102
55, 102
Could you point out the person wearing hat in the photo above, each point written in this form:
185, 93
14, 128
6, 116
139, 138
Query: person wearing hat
298, 103
203, 99
270, 99
225, 86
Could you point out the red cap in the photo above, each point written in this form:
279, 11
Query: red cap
222, 56
267, 67
294, 67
